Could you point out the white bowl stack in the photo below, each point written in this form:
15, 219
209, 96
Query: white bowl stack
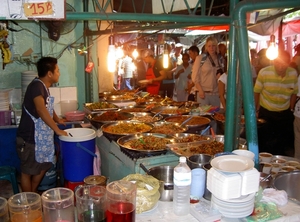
233, 182
26, 78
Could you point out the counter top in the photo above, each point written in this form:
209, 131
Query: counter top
163, 212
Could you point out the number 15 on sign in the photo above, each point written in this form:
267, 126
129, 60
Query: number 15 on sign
38, 9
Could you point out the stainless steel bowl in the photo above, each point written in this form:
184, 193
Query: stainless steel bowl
198, 160
290, 183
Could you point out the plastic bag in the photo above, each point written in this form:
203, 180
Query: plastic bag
263, 211
147, 191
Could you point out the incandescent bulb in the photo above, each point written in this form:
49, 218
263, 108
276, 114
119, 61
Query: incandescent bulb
111, 59
166, 59
135, 53
272, 52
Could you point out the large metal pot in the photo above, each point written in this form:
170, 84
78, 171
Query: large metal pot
288, 182
165, 176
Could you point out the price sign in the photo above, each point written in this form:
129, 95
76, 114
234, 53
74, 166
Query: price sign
38, 9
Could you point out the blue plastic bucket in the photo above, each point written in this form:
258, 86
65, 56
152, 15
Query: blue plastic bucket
78, 153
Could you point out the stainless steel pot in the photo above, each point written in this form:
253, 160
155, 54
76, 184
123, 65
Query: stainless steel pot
288, 182
165, 176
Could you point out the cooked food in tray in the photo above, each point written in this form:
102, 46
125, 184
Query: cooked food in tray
170, 110
145, 142
112, 116
195, 120
126, 128
146, 117
168, 128
100, 106
209, 147
189, 137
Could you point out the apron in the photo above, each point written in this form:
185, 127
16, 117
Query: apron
43, 134
154, 87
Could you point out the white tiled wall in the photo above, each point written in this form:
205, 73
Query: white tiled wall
61, 94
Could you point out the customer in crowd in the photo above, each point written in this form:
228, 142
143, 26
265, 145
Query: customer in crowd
296, 58
35, 135
222, 86
181, 79
128, 67
155, 73
297, 123
193, 53
223, 54
141, 68
207, 68
275, 93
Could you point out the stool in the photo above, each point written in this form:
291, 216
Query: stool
9, 173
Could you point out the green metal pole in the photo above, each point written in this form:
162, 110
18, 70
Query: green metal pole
195, 19
230, 123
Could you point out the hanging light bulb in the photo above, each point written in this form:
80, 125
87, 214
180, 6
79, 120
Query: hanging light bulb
111, 57
166, 57
272, 51
135, 54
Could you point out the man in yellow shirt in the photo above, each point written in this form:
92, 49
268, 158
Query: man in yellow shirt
275, 93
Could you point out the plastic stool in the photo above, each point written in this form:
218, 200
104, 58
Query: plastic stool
9, 173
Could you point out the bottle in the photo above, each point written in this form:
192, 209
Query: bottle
182, 182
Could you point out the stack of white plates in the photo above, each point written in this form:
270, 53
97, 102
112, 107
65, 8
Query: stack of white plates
4, 99
26, 78
234, 208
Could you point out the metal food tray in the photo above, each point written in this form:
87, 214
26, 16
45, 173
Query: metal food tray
115, 136
141, 114
161, 123
199, 126
121, 141
93, 111
99, 123
182, 135
119, 98
183, 149
183, 111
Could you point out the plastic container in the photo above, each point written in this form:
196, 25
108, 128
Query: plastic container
58, 205
91, 203
74, 116
182, 184
5, 118
121, 201
25, 207
78, 153
4, 216
68, 105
